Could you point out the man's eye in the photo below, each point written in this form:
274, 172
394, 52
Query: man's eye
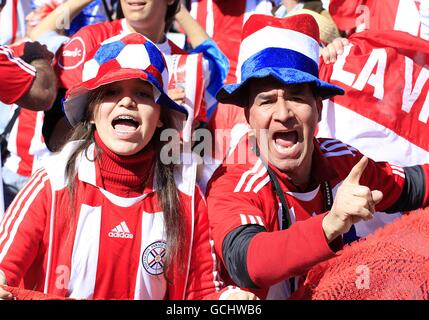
296, 98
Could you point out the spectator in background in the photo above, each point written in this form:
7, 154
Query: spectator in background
25, 143
55, 17
27, 80
12, 17
328, 30
289, 6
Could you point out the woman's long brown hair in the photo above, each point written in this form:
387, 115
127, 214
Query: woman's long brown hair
164, 174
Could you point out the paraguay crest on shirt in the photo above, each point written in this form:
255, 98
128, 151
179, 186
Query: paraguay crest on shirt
153, 257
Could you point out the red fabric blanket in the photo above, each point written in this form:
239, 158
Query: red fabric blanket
393, 263
24, 294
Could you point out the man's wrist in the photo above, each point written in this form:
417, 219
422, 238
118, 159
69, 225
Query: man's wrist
330, 233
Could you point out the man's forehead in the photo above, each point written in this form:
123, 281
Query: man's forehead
268, 84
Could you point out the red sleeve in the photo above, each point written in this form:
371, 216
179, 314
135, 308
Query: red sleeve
14, 87
22, 228
382, 176
387, 178
292, 252
228, 209
204, 281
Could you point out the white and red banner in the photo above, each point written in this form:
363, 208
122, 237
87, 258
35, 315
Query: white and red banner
385, 110
410, 16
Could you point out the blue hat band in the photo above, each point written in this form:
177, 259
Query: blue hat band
278, 58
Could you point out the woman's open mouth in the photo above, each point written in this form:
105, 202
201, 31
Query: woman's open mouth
125, 125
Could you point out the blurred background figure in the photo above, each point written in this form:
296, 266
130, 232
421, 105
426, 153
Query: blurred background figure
25, 142
95, 12
28, 82
12, 20
410, 16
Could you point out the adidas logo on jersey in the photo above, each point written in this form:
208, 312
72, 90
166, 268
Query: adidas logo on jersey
121, 231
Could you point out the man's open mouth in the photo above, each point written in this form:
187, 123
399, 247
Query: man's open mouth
284, 140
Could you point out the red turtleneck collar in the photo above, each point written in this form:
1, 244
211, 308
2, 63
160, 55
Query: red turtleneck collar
124, 176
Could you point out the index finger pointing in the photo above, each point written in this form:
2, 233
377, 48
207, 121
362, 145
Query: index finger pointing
356, 172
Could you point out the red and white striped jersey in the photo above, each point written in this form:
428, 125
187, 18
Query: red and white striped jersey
192, 68
103, 246
224, 20
14, 87
241, 193
26, 145
12, 20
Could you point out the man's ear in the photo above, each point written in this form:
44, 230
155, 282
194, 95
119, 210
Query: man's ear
319, 106
159, 124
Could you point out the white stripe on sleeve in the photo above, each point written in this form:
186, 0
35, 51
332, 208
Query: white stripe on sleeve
14, 209
21, 215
